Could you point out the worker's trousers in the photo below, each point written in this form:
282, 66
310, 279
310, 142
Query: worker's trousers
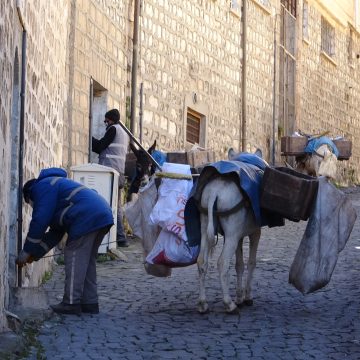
80, 268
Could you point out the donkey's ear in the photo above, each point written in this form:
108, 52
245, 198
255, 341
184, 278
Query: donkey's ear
231, 153
258, 153
152, 147
134, 149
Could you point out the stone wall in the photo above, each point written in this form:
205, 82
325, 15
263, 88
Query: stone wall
46, 26
188, 48
46, 36
195, 48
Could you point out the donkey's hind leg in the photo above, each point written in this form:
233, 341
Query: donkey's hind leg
202, 263
230, 245
253, 246
239, 267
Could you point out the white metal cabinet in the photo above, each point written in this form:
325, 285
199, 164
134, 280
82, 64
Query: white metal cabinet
105, 180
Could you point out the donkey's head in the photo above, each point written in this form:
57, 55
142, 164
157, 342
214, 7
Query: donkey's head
144, 167
321, 162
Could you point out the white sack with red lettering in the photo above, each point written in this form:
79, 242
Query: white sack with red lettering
171, 251
168, 211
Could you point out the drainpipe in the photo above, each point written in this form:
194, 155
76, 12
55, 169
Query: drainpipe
134, 64
243, 76
21, 139
274, 99
91, 95
141, 112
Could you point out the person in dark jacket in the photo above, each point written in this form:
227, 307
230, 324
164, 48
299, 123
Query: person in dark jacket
112, 149
61, 205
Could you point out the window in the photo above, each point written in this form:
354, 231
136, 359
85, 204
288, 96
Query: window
193, 127
305, 21
290, 6
235, 6
264, 2
327, 38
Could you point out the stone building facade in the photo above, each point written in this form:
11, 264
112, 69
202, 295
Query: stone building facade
302, 72
32, 33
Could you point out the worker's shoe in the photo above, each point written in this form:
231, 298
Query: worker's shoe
122, 242
90, 308
69, 309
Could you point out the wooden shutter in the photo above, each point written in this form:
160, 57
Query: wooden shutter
193, 127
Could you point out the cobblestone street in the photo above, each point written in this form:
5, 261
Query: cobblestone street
142, 317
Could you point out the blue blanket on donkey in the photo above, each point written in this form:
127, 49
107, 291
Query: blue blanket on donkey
315, 143
248, 170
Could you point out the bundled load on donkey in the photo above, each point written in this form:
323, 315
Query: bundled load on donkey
307, 273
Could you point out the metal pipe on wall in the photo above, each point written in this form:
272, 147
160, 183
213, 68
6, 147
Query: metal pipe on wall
243, 76
273, 153
134, 64
21, 140
91, 97
141, 112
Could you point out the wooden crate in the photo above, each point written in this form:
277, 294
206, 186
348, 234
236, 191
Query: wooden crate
177, 157
345, 149
197, 158
288, 193
293, 145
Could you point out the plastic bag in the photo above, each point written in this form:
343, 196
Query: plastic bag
326, 234
168, 211
137, 214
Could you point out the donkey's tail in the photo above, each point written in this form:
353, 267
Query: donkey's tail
210, 225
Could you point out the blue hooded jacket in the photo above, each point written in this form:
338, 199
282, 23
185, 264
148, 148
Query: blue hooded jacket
65, 206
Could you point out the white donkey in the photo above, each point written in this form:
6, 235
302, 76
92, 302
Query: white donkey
236, 225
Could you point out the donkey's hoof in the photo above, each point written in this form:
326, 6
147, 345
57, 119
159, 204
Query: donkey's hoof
234, 311
231, 308
203, 307
249, 302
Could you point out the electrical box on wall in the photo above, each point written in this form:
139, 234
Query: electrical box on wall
105, 181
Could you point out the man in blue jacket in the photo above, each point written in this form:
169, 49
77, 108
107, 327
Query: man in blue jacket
61, 205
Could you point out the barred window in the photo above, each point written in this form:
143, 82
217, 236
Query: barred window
327, 37
290, 6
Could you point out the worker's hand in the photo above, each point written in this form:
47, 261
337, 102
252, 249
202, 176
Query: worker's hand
23, 259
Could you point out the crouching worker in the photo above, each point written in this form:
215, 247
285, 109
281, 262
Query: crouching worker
61, 205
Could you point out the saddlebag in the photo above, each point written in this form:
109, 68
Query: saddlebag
288, 193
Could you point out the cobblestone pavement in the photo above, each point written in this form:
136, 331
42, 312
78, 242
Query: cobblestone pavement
143, 317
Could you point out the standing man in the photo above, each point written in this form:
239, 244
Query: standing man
65, 206
112, 149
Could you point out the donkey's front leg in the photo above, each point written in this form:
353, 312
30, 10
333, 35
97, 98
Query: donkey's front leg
253, 246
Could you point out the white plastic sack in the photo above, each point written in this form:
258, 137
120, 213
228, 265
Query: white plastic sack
326, 234
168, 211
137, 214
172, 251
